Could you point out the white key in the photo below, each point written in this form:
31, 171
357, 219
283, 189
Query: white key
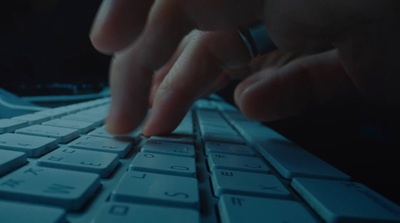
180, 138
10, 125
102, 145
171, 148
101, 132
10, 160
222, 130
101, 111
232, 162
97, 121
158, 163
224, 138
123, 212
288, 159
245, 183
33, 118
83, 127
228, 148
212, 117
54, 113
226, 107
67, 189
33, 146
186, 126
81, 160
343, 201
239, 209
204, 104
63, 135
157, 189
13, 212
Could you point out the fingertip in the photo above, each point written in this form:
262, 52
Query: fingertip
256, 104
154, 126
116, 126
271, 98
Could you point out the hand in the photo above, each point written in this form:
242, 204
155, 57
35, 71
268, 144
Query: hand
146, 46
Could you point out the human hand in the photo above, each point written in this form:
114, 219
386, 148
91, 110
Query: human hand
202, 62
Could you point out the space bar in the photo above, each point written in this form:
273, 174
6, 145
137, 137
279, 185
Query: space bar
286, 157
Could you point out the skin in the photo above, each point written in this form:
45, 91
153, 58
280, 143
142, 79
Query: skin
169, 53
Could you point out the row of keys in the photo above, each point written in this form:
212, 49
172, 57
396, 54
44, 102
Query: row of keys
213, 127
95, 113
35, 146
327, 190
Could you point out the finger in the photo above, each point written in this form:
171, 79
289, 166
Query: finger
274, 94
132, 68
160, 74
194, 73
117, 23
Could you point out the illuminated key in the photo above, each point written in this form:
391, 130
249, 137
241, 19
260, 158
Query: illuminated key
67, 189
102, 145
63, 135
81, 160
33, 146
151, 188
167, 164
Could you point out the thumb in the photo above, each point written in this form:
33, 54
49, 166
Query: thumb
277, 93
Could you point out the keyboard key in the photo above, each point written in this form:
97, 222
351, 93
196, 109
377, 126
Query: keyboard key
228, 148
10, 125
171, 148
81, 160
33, 119
288, 159
66, 189
166, 164
101, 132
33, 146
10, 160
239, 209
83, 127
233, 162
157, 189
343, 201
63, 135
139, 213
180, 138
95, 120
54, 112
245, 183
220, 137
13, 212
186, 126
102, 145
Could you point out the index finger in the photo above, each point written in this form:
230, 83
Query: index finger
132, 69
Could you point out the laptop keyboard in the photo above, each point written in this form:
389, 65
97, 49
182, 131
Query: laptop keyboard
60, 165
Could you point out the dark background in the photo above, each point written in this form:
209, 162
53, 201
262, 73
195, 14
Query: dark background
43, 42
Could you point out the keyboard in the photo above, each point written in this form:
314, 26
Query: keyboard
61, 165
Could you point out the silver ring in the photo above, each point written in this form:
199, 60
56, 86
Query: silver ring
257, 40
